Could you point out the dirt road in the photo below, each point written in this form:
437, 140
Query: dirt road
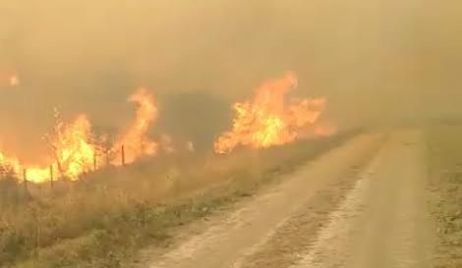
360, 205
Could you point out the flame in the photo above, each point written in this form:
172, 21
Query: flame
9, 80
8, 163
271, 118
135, 141
14, 80
37, 174
73, 153
73, 149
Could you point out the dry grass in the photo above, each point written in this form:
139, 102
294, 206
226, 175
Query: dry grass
106, 217
445, 169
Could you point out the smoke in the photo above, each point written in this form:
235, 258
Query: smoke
375, 61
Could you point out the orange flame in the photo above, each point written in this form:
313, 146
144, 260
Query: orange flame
270, 118
72, 148
14, 80
135, 142
9, 80
9, 163
73, 153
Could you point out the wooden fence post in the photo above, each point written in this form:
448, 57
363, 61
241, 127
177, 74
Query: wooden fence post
51, 177
95, 163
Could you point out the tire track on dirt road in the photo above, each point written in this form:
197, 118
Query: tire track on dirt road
323, 216
230, 239
384, 221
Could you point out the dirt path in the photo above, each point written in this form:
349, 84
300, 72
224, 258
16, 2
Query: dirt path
360, 205
230, 238
383, 222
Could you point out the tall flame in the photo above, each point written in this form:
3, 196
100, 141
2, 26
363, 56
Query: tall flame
271, 118
73, 153
135, 140
73, 149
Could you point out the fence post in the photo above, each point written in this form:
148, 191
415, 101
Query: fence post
51, 176
95, 163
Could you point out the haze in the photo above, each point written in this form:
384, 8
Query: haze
374, 61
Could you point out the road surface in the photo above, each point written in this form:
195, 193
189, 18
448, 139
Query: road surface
359, 205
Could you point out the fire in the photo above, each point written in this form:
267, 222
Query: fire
9, 80
12, 165
72, 147
135, 141
270, 118
8, 163
73, 153
14, 80
37, 174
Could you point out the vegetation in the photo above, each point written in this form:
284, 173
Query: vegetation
445, 169
107, 216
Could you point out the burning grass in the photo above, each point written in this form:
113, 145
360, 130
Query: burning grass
272, 118
104, 218
75, 149
445, 169
94, 213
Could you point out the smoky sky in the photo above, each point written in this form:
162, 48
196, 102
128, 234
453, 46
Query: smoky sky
374, 60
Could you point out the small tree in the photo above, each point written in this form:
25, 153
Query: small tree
53, 137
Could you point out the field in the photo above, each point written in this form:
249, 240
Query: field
106, 217
445, 170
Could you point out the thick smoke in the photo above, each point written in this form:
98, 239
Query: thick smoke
374, 61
